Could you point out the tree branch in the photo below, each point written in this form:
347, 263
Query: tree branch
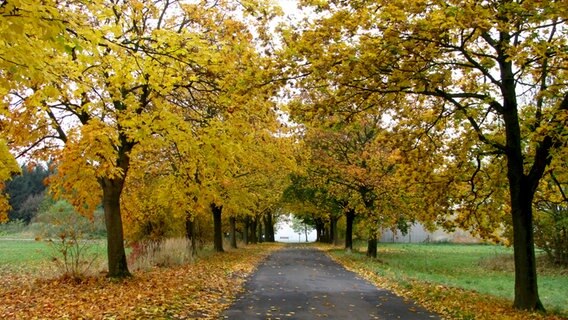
559, 186
449, 97
542, 155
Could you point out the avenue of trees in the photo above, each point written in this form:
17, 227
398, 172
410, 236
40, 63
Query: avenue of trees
170, 116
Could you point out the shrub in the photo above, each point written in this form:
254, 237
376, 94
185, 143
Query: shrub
69, 236
12, 227
29, 208
551, 232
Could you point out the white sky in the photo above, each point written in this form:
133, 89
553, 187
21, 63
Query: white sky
284, 233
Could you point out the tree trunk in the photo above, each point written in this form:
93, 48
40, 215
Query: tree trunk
253, 238
329, 232
521, 188
372, 246
526, 288
246, 230
350, 217
320, 230
334, 231
112, 190
233, 222
260, 231
318, 233
190, 234
269, 227
217, 228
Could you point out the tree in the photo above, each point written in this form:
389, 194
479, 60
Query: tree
105, 79
8, 167
26, 191
306, 196
483, 81
359, 171
299, 226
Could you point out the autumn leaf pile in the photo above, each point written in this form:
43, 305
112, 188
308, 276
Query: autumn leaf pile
199, 290
450, 303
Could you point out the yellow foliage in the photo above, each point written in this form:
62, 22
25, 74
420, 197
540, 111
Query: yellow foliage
8, 167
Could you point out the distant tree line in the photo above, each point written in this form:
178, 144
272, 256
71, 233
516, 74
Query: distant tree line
27, 191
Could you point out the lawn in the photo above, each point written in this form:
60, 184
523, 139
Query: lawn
35, 259
485, 269
18, 253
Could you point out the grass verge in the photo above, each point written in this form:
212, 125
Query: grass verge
457, 281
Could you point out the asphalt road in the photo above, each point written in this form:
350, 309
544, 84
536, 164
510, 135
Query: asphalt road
304, 283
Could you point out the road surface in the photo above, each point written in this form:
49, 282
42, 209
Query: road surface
304, 283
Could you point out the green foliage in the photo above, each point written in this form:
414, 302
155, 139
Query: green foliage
298, 225
403, 225
26, 192
55, 217
551, 232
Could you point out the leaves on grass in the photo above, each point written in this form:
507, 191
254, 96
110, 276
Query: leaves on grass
449, 302
199, 290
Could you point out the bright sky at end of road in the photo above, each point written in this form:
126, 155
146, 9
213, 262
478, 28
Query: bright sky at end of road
284, 233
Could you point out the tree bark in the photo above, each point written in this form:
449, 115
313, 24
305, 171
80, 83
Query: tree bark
260, 230
372, 246
217, 228
233, 223
350, 217
190, 234
320, 230
252, 234
521, 189
526, 288
112, 190
246, 230
329, 231
334, 231
269, 227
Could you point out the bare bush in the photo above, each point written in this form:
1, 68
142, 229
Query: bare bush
69, 236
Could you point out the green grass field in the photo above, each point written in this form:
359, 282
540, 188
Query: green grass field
19, 253
486, 269
30, 256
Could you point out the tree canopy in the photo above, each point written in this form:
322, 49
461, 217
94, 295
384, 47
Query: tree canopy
472, 93
451, 113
